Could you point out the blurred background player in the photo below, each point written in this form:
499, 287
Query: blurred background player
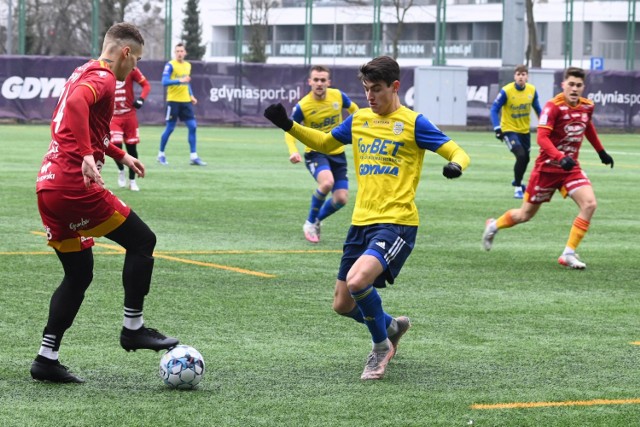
176, 77
75, 206
321, 109
391, 141
564, 122
513, 126
124, 124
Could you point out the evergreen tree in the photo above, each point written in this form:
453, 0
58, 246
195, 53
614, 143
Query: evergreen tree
192, 31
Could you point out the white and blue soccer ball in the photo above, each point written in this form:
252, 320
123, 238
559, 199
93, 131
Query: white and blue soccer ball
182, 367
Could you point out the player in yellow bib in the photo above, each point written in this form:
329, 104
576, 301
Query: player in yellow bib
322, 109
513, 126
389, 142
176, 77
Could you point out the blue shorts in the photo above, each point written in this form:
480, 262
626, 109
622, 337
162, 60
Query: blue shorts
390, 243
512, 139
179, 110
337, 164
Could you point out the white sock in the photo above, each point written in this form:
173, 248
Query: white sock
132, 319
393, 328
46, 348
568, 251
160, 153
382, 346
48, 353
194, 156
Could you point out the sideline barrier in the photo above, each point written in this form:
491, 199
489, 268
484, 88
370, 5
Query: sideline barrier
231, 94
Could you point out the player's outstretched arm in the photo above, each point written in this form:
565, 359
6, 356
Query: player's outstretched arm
312, 138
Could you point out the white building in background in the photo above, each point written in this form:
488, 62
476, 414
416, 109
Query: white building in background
342, 31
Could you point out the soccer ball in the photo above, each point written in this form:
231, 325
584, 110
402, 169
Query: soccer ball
182, 367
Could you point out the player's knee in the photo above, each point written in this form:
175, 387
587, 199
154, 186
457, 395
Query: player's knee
325, 185
79, 279
356, 282
520, 153
147, 242
589, 206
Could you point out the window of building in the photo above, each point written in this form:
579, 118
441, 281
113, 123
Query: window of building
587, 38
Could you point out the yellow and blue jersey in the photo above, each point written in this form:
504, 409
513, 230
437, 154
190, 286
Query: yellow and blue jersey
323, 115
388, 152
516, 103
171, 75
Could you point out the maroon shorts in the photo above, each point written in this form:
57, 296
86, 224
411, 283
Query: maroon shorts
542, 185
124, 129
72, 218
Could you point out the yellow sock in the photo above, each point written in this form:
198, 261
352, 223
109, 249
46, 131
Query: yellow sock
505, 221
578, 230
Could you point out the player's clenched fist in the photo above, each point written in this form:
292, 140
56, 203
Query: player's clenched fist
452, 170
277, 114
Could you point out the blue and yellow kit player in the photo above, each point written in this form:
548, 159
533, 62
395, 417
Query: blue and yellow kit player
322, 109
389, 143
176, 78
513, 126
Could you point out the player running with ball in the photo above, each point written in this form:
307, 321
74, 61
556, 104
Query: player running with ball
389, 142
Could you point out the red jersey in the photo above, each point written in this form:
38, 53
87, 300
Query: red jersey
561, 129
80, 126
124, 92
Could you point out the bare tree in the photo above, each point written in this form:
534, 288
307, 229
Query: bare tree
148, 16
257, 14
401, 7
534, 50
64, 27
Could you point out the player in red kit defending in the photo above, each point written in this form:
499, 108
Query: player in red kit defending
564, 122
124, 124
75, 206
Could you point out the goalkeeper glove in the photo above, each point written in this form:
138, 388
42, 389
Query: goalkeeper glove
137, 104
499, 134
605, 158
278, 116
567, 163
452, 170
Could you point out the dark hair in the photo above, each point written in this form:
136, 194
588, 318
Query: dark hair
574, 72
180, 45
320, 69
382, 68
125, 31
522, 69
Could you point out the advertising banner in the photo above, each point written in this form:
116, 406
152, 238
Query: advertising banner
236, 94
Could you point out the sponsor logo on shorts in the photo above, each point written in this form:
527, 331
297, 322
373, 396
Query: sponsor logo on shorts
48, 177
78, 225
